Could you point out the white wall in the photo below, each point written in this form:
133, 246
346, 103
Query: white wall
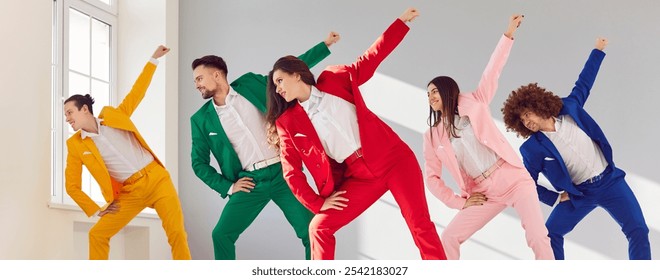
31, 230
452, 38
143, 25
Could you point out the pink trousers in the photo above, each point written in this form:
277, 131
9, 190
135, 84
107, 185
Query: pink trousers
507, 186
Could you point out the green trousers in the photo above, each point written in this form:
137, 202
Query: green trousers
243, 208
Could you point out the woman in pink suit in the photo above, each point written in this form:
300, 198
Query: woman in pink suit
463, 137
352, 155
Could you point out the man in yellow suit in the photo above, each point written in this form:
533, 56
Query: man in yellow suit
130, 175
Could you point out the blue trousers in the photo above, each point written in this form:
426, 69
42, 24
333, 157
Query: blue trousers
615, 196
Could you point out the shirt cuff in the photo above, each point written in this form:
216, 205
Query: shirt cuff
558, 199
153, 60
229, 192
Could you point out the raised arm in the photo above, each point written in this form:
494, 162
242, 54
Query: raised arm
434, 182
135, 96
491, 75
320, 51
255, 84
587, 77
367, 63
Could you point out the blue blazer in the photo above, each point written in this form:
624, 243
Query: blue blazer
541, 156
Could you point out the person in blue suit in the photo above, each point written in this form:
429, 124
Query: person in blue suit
570, 149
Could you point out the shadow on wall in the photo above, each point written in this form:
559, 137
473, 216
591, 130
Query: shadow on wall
380, 232
598, 236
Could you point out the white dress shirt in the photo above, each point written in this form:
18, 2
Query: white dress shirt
582, 157
121, 151
473, 157
245, 127
335, 121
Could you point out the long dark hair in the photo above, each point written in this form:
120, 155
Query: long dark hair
449, 91
277, 105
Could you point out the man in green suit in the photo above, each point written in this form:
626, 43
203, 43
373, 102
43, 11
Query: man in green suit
232, 126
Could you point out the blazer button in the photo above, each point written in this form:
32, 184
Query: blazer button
303, 151
318, 165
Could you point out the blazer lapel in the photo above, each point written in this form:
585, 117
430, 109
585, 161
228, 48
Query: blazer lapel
305, 125
467, 107
545, 142
310, 148
448, 157
573, 112
214, 120
89, 143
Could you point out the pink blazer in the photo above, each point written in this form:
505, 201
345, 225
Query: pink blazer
438, 150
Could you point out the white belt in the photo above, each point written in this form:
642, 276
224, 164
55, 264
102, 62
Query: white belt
263, 164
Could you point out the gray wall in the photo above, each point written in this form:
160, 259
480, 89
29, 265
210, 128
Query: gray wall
453, 38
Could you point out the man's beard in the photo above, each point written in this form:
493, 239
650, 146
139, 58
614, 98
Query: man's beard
207, 94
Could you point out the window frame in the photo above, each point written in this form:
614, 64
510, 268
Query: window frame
60, 83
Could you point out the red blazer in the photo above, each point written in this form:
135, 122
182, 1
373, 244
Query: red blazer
299, 142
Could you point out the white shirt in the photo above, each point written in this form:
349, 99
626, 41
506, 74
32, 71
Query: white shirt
245, 127
582, 157
121, 151
335, 121
474, 157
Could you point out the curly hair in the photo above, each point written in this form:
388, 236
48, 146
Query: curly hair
532, 98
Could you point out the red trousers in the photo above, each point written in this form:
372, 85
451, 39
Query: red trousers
362, 188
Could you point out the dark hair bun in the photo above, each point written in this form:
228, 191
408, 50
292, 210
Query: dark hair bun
91, 99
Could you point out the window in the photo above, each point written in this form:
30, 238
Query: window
83, 61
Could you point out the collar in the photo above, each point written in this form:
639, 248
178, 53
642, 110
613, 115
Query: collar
558, 123
313, 99
84, 134
230, 96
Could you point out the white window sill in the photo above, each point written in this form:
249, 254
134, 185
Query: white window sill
146, 213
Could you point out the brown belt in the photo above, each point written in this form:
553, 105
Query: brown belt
354, 156
488, 172
138, 175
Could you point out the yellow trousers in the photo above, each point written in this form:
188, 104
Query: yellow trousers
155, 189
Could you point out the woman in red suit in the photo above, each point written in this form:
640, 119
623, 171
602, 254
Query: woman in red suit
352, 155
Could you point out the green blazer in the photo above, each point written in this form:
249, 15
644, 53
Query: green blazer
208, 136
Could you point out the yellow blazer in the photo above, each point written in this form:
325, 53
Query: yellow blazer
84, 151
